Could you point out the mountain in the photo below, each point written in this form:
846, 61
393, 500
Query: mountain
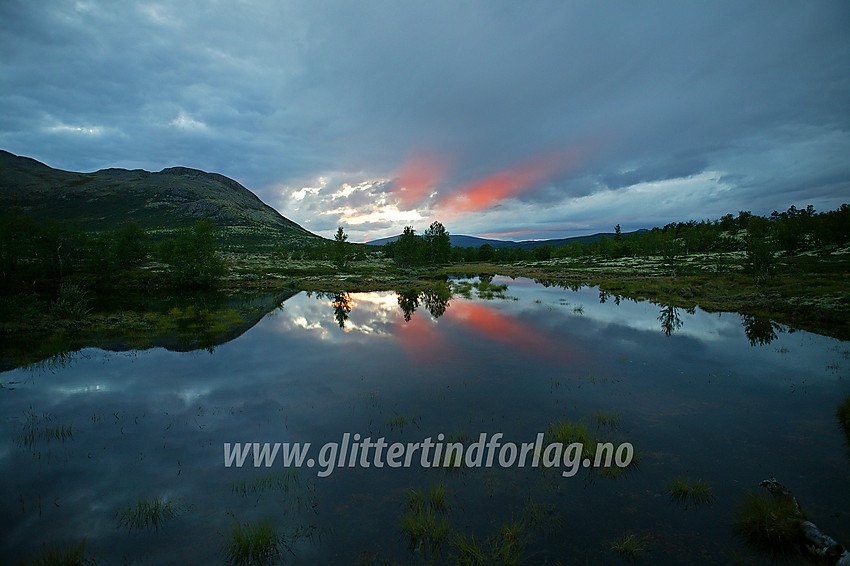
456, 239
159, 202
471, 241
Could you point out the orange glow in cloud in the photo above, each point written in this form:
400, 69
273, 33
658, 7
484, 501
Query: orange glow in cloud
508, 183
418, 176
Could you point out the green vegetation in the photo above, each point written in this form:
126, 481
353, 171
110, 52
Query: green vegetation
286, 484
541, 516
484, 288
687, 492
341, 250
593, 447
628, 546
72, 554
399, 421
41, 428
607, 419
506, 547
424, 520
432, 248
71, 302
191, 256
148, 513
770, 524
66, 279
254, 543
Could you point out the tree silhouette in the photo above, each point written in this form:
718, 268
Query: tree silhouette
341, 303
408, 301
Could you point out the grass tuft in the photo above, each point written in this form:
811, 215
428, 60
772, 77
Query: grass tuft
425, 521
769, 523
606, 419
685, 491
628, 546
148, 514
253, 543
72, 554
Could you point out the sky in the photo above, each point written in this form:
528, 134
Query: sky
508, 120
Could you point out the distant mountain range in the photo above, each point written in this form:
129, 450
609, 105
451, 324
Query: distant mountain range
159, 202
471, 241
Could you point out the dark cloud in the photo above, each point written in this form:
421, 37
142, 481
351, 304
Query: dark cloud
745, 106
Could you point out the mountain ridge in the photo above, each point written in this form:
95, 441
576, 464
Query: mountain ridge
460, 240
160, 202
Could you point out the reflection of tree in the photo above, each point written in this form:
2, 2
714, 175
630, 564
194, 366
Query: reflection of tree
437, 300
563, 284
603, 296
408, 301
760, 330
485, 277
341, 303
669, 318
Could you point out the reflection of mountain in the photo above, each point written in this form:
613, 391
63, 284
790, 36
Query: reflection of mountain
179, 324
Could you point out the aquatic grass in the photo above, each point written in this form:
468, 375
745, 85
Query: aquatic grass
425, 527
148, 513
470, 551
424, 521
768, 523
509, 545
399, 421
284, 480
71, 554
540, 515
59, 433
253, 543
568, 432
628, 546
685, 491
37, 428
451, 459
605, 419
286, 483
433, 498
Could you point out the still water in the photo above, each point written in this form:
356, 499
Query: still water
718, 397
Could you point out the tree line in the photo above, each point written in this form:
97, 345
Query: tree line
794, 230
37, 254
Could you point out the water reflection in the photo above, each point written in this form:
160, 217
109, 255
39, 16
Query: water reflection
670, 319
187, 323
178, 323
437, 300
115, 429
408, 301
341, 303
760, 330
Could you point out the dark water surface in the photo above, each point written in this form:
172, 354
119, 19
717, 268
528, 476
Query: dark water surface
718, 397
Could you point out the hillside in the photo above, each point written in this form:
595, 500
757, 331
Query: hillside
159, 202
474, 242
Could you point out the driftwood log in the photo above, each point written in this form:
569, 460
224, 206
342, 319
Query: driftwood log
816, 541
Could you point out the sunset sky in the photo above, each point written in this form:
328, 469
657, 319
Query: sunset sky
512, 120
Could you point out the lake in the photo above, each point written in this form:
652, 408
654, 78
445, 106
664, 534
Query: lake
724, 398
